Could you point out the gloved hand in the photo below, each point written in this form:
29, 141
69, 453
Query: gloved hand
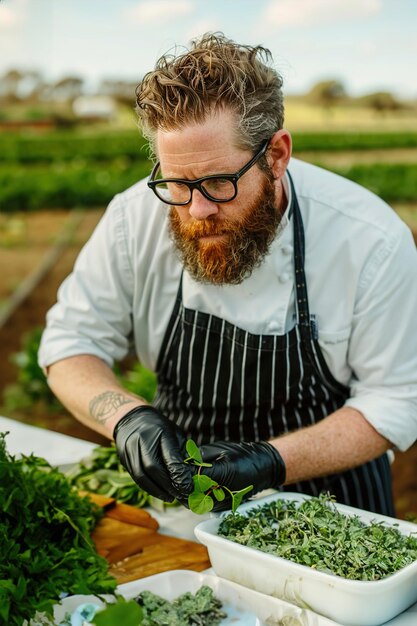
152, 450
238, 465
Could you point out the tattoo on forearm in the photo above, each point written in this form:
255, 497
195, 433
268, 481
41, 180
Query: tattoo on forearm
104, 406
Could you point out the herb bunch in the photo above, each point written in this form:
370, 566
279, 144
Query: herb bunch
206, 490
45, 541
316, 534
103, 473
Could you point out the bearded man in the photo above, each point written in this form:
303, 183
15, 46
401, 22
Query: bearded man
274, 300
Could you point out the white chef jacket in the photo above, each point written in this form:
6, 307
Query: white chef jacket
361, 271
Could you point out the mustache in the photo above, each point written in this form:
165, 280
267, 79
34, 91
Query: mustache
205, 228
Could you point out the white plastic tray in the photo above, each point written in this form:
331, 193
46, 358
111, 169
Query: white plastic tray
350, 602
243, 606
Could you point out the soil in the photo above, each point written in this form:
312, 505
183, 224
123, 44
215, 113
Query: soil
20, 258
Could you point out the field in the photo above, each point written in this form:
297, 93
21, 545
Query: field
55, 185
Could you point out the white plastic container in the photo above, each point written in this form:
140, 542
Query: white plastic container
243, 606
350, 602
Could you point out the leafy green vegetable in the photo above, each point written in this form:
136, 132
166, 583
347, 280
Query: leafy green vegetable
103, 473
316, 534
45, 541
206, 490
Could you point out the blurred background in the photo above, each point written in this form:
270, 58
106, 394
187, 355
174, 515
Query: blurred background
69, 141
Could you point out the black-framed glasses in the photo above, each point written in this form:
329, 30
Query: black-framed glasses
217, 187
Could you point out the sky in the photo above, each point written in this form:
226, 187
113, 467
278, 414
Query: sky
369, 45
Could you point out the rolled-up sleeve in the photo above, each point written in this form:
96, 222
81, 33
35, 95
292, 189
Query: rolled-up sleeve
93, 314
383, 344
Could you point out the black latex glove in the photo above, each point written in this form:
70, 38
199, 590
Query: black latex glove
238, 465
152, 450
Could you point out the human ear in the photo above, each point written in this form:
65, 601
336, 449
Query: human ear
279, 152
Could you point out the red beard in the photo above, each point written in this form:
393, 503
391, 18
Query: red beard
242, 245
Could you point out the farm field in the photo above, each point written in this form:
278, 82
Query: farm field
56, 185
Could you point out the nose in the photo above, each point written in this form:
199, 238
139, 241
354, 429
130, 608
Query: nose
201, 208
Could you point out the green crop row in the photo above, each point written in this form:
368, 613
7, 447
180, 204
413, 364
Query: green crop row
94, 184
393, 182
70, 145
42, 187
304, 142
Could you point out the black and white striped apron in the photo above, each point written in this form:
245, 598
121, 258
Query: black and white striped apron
220, 382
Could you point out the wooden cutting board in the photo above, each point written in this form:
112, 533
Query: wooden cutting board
129, 539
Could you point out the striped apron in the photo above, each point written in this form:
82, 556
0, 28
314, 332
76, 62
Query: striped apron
220, 382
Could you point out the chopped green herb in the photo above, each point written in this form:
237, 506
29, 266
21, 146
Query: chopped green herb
199, 609
316, 534
45, 541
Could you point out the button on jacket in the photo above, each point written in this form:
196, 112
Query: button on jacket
361, 272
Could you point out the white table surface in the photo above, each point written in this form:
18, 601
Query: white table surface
60, 450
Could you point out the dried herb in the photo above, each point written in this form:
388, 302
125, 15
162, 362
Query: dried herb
206, 490
316, 534
45, 541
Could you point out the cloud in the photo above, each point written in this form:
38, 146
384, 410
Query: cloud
156, 11
288, 13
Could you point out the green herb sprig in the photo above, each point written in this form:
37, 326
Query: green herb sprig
207, 490
315, 533
46, 548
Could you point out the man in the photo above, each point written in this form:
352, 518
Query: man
275, 300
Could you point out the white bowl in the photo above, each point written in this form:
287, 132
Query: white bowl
351, 602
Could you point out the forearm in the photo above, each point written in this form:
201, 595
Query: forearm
87, 387
343, 440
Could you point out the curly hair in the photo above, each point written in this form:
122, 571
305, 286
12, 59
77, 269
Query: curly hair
215, 73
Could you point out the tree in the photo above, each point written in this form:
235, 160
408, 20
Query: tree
67, 88
381, 102
327, 93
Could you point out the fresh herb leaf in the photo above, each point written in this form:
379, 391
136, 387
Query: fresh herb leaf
202, 482
206, 490
237, 497
219, 494
193, 451
200, 502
